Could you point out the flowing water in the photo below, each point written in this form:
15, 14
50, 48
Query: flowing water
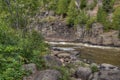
98, 54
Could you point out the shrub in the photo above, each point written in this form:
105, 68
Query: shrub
94, 69
17, 50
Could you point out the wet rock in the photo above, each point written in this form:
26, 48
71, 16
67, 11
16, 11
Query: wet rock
48, 75
83, 73
64, 55
52, 61
105, 66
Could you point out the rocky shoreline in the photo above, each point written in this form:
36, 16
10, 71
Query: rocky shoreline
78, 69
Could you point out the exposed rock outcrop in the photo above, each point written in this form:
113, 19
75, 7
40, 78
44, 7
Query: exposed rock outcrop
52, 61
48, 75
97, 36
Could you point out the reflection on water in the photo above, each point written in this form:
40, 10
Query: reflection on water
98, 54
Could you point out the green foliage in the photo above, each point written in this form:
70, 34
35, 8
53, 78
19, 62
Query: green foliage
90, 22
72, 12
16, 50
116, 19
18, 12
81, 18
102, 18
108, 5
52, 5
65, 73
94, 69
83, 4
62, 6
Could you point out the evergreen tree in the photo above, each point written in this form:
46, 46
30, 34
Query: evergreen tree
62, 6
72, 12
108, 5
102, 18
81, 18
116, 19
83, 4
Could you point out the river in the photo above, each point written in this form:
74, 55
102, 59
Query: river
97, 54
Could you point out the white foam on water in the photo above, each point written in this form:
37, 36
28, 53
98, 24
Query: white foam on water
81, 44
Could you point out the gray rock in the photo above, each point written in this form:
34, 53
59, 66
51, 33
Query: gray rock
64, 55
30, 67
48, 75
107, 75
105, 66
83, 73
52, 61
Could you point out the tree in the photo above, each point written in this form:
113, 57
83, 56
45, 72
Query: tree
102, 18
72, 12
81, 18
108, 5
116, 19
62, 6
18, 12
83, 4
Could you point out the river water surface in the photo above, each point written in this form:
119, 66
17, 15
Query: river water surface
98, 54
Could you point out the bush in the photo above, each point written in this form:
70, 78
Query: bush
17, 50
94, 69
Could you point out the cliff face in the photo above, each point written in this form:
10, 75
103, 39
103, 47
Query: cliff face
97, 36
58, 31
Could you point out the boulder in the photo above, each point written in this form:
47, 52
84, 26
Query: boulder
64, 55
30, 67
48, 75
107, 75
83, 73
105, 66
52, 61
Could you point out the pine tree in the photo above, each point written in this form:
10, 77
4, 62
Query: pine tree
83, 4
116, 19
72, 12
108, 5
102, 18
62, 6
